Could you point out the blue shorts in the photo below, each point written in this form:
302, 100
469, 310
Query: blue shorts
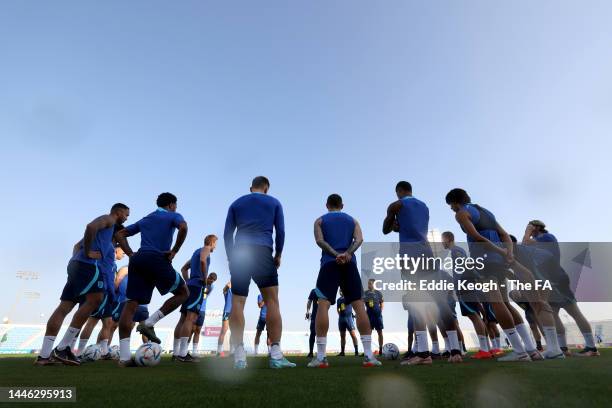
468, 308
562, 295
150, 270
376, 321
142, 312
452, 304
105, 309
226, 316
200, 320
252, 262
194, 300
261, 323
333, 276
83, 278
489, 315
346, 323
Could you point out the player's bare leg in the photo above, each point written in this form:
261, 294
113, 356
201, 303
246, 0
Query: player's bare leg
236, 324
506, 320
54, 325
365, 331
63, 352
590, 349
321, 328
274, 324
125, 330
179, 296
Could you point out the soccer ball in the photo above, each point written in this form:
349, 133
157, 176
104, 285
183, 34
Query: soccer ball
90, 354
114, 352
390, 351
148, 355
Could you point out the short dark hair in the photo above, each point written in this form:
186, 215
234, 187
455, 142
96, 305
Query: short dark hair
119, 206
165, 199
458, 196
260, 182
209, 239
213, 276
449, 235
513, 238
403, 186
334, 200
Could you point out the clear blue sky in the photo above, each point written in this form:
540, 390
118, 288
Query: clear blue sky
110, 101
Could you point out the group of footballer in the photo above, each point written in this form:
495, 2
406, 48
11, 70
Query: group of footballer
254, 238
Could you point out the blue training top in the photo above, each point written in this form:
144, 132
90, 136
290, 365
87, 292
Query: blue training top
485, 223
101, 243
254, 216
338, 229
315, 304
264, 310
548, 242
195, 270
228, 301
207, 290
413, 220
122, 290
345, 311
157, 230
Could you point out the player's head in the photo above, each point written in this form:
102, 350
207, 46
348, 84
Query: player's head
334, 202
371, 284
513, 238
448, 239
167, 201
457, 198
122, 212
403, 189
211, 241
260, 184
538, 227
212, 278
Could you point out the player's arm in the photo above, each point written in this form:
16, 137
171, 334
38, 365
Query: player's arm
204, 253
121, 273
390, 222
180, 239
527, 236
185, 270
122, 235
324, 245
308, 304
382, 302
228, 232
464, 220
104, 221
507, 241
76, 247
357, 241
279, 230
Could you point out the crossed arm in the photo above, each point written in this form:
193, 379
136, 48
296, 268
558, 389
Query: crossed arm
324, 245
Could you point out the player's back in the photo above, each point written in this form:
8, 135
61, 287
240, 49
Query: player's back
413, 220
486, 224
548, 242
254, 216
157, 230
195, 269
338, 229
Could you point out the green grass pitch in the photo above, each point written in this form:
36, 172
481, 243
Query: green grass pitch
212, 383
